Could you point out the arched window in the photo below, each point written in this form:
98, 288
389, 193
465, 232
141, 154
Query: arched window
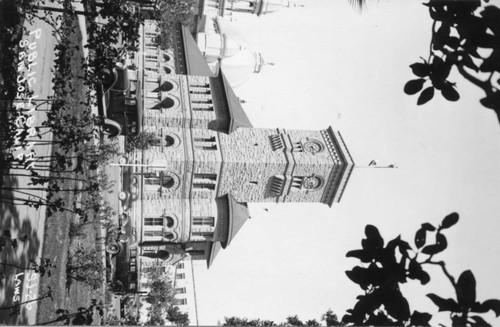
167, 181
165, 104
167, 70
161, 182
169, 141
168, 235
169, 221
166, 86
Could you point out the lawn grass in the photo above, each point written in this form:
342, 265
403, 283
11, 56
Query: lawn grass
58, 245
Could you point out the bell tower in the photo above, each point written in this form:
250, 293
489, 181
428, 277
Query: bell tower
280, 165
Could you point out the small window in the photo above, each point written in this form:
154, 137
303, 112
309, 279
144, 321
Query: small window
169, 141
203, 221
203, 234
297, 182
211, 177
153, 221
153, 233
204, 186
180, 276
180, 265
182, 301
170, 221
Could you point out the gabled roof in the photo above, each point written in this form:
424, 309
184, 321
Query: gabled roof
195, 62
238, 118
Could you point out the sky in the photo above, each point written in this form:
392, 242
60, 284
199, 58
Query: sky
335, 67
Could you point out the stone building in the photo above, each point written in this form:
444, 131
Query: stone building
209, 162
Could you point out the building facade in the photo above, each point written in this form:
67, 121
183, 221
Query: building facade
209, 162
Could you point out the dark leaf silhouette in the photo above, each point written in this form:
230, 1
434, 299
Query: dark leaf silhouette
449, 93
426, 96
466, 289
444, 304
491, 101
441, 241
432, 249
420, 69
467, 62
420, 237
414, 86
420, 318
492, 63
362, 255
440, 72
479, 322
428, 227
493, 305
449, 220
415, 271
396, 305
365, 276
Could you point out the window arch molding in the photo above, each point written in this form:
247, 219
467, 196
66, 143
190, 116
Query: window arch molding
171, 140
162, 181
169, 102
168, 85
170, 220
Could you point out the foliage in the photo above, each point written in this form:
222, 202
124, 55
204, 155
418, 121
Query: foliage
162, 300
290, 321
177, 317
128, 320
83, 316
466, 36
108, 43
86, 266
142, 141
331, 319
236, 321
386, 266
169, 14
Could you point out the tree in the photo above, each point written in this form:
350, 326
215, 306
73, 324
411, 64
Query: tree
176, 316
236, 321
331, 319
465, 36
386, 266
85, 265
294, 321
290, 321
141, 141
162, 301
169, 14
